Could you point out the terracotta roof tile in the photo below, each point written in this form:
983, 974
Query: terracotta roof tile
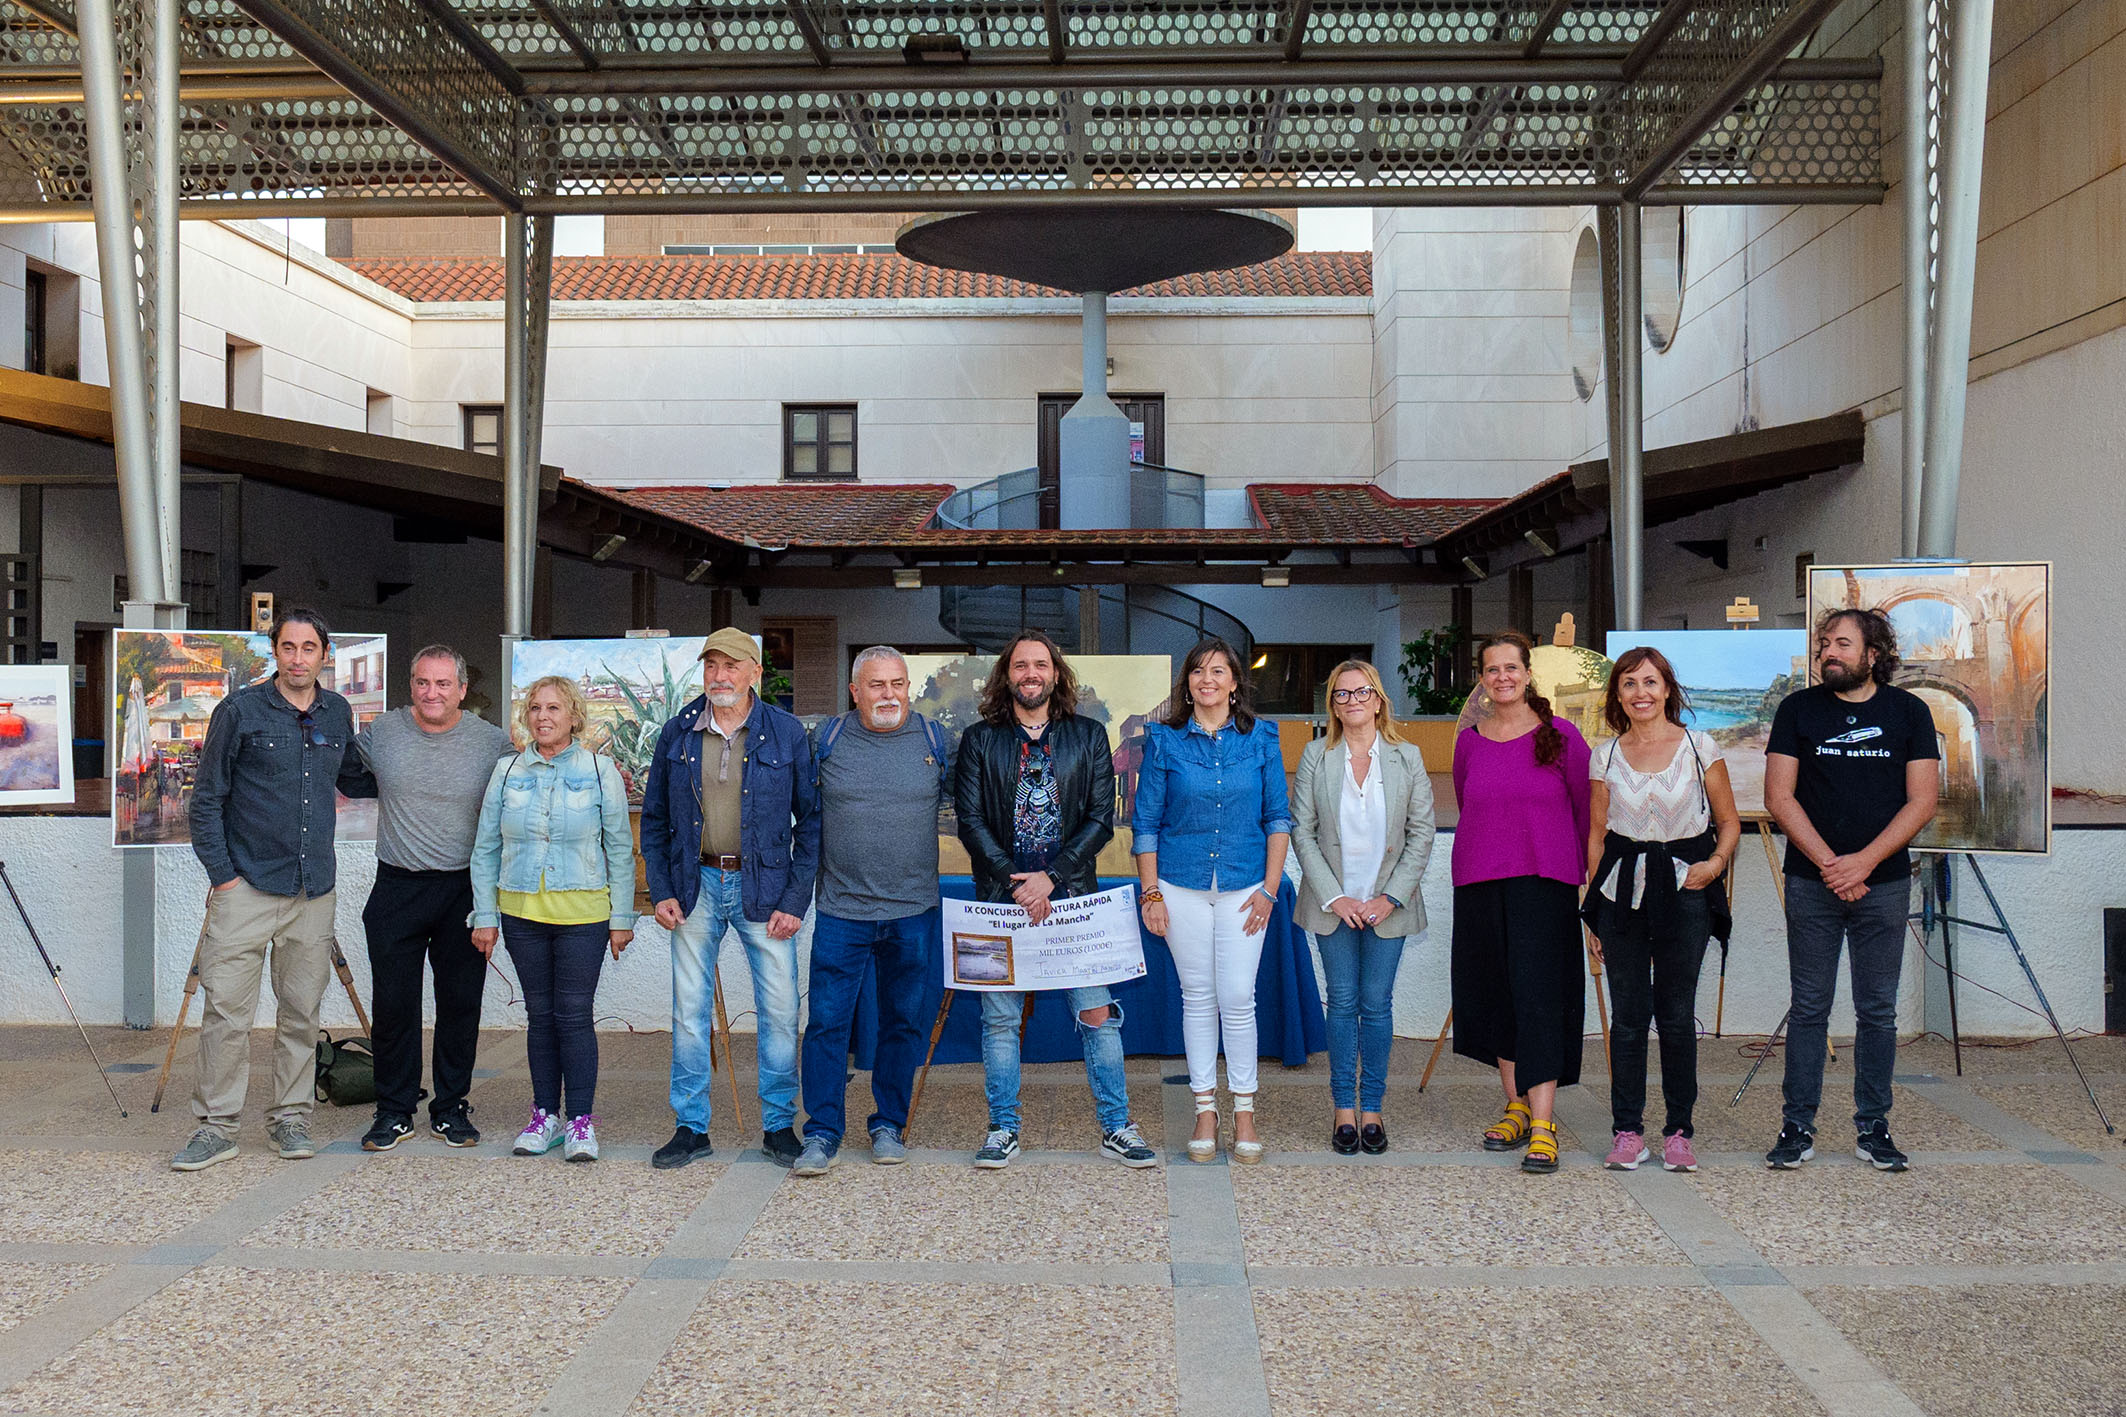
855, 515
840, 277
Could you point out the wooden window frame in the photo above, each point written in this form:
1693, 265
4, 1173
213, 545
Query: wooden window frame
790, 412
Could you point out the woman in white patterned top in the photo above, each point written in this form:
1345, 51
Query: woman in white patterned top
1664, 830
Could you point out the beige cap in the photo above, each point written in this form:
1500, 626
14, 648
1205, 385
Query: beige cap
733, 642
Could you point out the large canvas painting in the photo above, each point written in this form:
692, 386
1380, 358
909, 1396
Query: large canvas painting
1973, 641
632, 686
36, 751
1124, 692
1734, 680
167, 684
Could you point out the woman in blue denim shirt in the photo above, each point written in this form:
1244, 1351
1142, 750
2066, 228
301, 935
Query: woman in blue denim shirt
553, 866
1211, 828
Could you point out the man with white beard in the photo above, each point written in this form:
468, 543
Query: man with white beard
882, 770
730, 841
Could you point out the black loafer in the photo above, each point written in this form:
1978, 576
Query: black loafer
1373, 1138
1344, 1140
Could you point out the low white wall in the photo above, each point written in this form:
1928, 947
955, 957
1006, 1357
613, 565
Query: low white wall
68, 875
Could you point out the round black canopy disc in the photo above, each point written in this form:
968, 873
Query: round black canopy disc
1110, 249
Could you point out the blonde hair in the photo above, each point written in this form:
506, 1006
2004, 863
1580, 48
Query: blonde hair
1383, 718
579, 713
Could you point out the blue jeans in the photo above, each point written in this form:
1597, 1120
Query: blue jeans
557, 968
1873, 927
695, 945
1103, 1055
902, 950
1360, 969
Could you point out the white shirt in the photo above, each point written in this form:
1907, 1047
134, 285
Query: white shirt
1669, 805
1362, 824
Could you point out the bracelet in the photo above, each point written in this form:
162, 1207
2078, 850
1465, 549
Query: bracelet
1267, 896
1150, 897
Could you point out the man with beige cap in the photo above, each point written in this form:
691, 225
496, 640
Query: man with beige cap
730, 840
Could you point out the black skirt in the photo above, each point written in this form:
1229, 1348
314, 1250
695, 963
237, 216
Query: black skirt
1520, 978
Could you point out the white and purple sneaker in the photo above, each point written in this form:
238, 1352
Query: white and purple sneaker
581, 1144
540, 1134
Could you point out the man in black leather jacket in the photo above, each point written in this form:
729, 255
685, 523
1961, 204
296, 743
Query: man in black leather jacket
1035, 796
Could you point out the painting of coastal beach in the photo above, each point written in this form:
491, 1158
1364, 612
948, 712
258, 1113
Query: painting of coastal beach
1734, 680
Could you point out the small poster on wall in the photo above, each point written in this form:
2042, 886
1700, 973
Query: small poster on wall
167, 684
1972, 641
36, 751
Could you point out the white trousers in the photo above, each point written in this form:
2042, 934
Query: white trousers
1216, 960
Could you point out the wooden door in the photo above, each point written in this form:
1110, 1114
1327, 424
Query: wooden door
1147, 409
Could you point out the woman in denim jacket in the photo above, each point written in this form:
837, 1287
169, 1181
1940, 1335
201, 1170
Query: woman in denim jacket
553, 866
1211, 827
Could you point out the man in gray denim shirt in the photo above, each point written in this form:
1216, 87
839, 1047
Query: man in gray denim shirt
263, 811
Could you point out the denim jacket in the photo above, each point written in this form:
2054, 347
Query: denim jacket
778, 814
560, 824
1208, 803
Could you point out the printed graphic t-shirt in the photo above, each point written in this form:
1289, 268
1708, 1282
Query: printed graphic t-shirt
1852, 778
1037, 812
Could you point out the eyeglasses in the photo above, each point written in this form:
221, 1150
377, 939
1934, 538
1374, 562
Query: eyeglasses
312, 734
1353, 696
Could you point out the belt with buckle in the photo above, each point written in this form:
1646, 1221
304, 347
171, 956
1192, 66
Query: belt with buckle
721, 863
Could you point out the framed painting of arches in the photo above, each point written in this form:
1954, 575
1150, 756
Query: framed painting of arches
1972, 641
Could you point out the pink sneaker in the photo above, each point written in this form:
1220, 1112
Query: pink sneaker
1629, 1151
1676, 1154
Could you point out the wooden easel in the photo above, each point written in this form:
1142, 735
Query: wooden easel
937, 1031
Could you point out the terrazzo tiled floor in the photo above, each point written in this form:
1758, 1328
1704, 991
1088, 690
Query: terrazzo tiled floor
1437, 1278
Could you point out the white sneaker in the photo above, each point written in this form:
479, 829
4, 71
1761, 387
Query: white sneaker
540, 1134
581, 1144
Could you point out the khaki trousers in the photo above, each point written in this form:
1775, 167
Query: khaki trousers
242, 924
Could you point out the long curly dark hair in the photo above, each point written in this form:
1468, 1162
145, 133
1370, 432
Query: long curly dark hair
1179, 706
1549, 739
1876, 633
997, 697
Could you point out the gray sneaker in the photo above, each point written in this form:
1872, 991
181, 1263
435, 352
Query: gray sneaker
206, 1147
887, 1148
292, 1136
816, 1159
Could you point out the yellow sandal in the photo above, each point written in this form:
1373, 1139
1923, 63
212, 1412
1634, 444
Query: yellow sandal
1542, 1157
1509, 1131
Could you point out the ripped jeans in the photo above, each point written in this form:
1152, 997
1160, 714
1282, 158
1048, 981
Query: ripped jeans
1103, 1056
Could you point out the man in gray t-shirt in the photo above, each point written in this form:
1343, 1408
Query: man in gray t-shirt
432, 762
883, 771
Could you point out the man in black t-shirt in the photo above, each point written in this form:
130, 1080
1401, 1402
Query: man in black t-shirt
1851, 774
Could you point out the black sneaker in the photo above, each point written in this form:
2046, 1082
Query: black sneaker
685, 1145
1876, 1148
389, 1129
781, 1146
1793, 1147
454, 1125
1127, 1145
998, 1148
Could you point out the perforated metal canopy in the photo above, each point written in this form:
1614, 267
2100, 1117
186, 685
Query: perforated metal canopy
374, 106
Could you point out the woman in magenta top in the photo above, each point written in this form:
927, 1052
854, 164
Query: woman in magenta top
1520, 856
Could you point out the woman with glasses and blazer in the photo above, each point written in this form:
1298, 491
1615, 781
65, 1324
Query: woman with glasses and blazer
1362, 827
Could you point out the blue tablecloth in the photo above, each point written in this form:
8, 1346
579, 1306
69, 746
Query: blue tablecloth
1288, 1016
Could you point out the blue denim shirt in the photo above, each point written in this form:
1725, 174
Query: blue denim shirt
1209, 803
263, 806
558, 824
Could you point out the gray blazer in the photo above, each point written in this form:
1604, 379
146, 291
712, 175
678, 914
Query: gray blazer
1317, 835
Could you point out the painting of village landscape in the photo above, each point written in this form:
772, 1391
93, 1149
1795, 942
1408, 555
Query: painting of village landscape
1123, 692
1734, 680
1974, 644
632, 686
36, 752
167, 683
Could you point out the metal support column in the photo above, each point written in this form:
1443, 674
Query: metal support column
124, 301
1917, 146
160, 316
1963, 153
1622, 344
527, 278
1093, 443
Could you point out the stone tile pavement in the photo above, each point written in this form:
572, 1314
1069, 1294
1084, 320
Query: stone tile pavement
1990, 1279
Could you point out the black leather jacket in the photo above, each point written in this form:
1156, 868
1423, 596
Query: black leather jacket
985, 788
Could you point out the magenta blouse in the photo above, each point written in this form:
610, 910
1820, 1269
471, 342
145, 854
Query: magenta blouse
1519, 819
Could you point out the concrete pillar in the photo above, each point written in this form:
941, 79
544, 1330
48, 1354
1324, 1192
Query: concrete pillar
1095, 438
